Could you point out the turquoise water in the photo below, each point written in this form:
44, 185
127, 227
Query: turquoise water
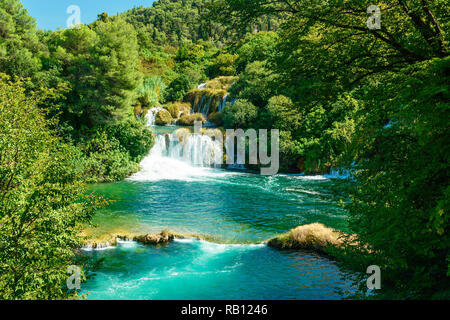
193, 269
236, 211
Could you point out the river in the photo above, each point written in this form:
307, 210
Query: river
235, 210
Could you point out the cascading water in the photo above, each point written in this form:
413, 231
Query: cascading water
223, 103
181, 156
194, 149
151, 116
237, 210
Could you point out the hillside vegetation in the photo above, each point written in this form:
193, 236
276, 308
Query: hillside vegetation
375, 101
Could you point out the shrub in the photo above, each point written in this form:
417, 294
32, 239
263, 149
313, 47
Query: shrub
134, 136
173, 109
216, 118
185, 107
188, 120
177, 108
105, 159
241, 114
313, 236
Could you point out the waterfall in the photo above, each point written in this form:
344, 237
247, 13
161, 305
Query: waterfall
181, 156
151, 115
223, 103
196, 150
342, 172
206, 107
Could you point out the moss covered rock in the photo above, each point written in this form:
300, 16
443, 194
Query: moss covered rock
205, 100
221, 83
176, 109
155, 239
188, 120
163, 118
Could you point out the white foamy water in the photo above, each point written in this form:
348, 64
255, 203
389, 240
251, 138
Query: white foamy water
99, 247
214, 248
182, 156
151, 116
340, 173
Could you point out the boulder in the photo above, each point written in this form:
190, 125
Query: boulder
155, 239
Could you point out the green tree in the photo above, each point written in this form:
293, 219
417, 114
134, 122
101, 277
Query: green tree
255, 84
256, 47
239, 115
280, 113
101, 63
381, 94
223, 65
20, 49
42, 201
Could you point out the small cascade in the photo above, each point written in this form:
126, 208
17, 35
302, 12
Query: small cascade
205, 109
223, 103
151, 115
180, 156
194, 149
341, 173
97, 246
200, 105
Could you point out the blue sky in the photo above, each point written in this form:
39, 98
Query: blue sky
51, 14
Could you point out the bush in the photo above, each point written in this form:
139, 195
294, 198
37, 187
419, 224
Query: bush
105, 159
163, 118
134, 136
188, 120
315, 236
43, 201
241, 114
223, 65
175, 108
216, 118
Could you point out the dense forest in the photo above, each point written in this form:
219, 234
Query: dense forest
375, 101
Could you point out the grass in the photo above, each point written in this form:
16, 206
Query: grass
315, 236
163, 118
221, 83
